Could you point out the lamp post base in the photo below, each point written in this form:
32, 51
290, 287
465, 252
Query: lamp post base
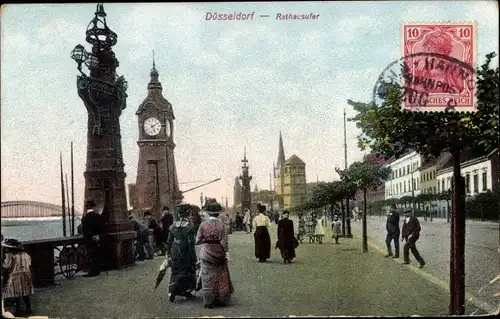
117, 249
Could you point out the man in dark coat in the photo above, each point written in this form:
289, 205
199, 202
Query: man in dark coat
411, 233
286, 238
166, 219
392, 226
92, 228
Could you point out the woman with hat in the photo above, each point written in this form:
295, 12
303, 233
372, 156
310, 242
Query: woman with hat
286, 238
261, 235
19, 283
182, 255
213, 236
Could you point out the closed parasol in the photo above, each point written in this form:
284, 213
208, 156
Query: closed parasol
163, 270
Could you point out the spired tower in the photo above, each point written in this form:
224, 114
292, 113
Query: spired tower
236, 192
156, 185
246, 194
279, 171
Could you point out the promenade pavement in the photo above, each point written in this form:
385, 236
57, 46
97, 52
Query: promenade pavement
325, 280
482, 256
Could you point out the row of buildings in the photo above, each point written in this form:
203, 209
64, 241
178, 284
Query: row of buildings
412, 175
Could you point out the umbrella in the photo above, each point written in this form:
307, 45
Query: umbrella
163, 269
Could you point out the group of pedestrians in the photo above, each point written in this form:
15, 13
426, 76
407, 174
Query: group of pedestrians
209, 274
410, 234
286, 241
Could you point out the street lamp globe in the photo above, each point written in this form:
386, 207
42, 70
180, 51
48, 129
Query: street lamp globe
92, 61
79, 54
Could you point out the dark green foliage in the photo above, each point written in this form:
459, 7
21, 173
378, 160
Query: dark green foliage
484, 206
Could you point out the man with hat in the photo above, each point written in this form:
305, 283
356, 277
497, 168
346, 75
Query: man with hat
411, 233
182, 254
392, 227
214, 272
92, 228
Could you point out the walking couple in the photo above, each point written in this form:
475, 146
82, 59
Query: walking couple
213, 280
287, 243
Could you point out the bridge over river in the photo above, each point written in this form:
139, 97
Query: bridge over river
29, 209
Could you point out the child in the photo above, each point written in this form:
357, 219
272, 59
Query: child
19, 283
336, 228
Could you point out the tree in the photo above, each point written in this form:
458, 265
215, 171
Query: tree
347, 190
389, 131
365, 176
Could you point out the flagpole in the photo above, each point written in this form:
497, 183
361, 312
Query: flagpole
70, 230
63, 206
72, 194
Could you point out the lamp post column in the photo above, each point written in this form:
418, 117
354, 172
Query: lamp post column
104, 96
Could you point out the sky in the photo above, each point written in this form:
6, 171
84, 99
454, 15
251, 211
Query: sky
232, 84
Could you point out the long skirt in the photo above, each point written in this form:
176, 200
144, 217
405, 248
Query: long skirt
19, 284
262, 243
216, 284
182, 278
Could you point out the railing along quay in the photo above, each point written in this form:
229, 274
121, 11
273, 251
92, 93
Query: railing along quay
56, 258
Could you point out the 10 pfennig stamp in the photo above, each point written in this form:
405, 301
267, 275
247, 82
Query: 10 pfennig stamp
445, 83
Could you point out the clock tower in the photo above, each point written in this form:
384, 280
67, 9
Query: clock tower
156, 185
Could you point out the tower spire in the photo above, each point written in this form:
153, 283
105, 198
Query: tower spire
154, 83
281, 153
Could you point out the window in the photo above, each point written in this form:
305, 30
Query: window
467, 183
439, 188
485, 181
434, 189
414, 183
404, 183
476, 183
399, 172
408, 168
448, 181
442, 184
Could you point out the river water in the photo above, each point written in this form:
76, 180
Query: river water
34, 229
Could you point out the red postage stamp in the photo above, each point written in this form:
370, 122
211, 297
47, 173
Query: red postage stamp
439, 66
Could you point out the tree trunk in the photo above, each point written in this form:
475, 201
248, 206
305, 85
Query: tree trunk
343, 217
458, 235
348, 219
365, 237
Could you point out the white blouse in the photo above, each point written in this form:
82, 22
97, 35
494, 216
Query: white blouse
261, 220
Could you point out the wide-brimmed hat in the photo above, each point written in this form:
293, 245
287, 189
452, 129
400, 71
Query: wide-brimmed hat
261, 208
13, 243
89, 203
211, 206
408, 211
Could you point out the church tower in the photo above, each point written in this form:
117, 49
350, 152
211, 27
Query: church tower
236, 192
156, 185
246, 194
279, 171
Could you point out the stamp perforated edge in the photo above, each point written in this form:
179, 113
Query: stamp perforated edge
474, 24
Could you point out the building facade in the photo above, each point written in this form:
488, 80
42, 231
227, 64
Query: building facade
480, 174
405, 177
289, 180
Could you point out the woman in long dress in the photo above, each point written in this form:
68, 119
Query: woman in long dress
182, 255
19, 283
319, 231
215, 280
261, 236
286, 238
336, 228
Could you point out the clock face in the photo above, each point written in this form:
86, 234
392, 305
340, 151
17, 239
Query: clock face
152, 126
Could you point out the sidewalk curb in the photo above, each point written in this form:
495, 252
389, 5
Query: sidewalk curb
440, 283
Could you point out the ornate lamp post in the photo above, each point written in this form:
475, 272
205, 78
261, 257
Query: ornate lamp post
104, 95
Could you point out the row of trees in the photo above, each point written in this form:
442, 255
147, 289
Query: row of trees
389, 131
358, 177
